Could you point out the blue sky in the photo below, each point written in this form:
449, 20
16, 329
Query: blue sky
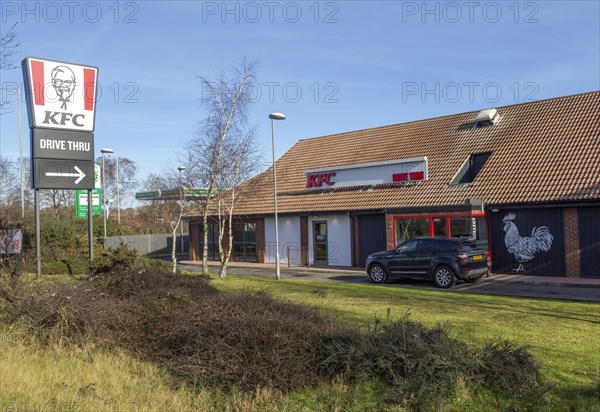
333, 66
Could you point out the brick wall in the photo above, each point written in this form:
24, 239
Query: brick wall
193, 229
389, 230
571, 222
260, 240
304, 240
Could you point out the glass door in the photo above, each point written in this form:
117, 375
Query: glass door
320, 242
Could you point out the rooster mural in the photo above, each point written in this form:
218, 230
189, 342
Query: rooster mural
524, 249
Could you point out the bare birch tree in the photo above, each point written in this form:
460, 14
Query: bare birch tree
240, 161
8, 48
227, 100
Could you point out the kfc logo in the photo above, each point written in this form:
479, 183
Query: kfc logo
61, 95
317, 179
63, 81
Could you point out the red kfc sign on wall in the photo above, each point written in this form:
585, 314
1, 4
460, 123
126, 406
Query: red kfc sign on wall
318, 179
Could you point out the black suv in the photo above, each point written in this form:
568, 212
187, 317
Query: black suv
439, 258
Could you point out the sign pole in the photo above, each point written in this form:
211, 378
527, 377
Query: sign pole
90, 232
38, 243
21, 154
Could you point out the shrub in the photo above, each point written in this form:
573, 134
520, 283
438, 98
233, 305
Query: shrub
119, 260
61, 241
246, 341
508, 368
422, 366
201, 335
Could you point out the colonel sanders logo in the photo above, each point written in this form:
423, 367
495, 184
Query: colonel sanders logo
63, 80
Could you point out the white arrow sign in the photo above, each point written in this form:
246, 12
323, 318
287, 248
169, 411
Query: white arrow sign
80, 175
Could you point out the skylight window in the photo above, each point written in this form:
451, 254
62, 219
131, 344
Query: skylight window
471, 168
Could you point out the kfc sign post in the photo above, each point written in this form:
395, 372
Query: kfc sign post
61, 106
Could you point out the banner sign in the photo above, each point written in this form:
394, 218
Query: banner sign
81, 198
11, 241
81, 203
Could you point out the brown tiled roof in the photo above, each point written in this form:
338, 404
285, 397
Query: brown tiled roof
544, 151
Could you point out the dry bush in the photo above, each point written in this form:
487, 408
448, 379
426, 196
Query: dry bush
202, 336
422, 366
509, 368
246, 341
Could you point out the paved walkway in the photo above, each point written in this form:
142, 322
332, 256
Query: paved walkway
517, 279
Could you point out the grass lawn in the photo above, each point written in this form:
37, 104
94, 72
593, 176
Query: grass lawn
564, 336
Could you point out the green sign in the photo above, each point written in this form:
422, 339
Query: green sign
81, 198
81, 203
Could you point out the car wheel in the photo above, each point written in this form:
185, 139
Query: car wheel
377, 273
444, 277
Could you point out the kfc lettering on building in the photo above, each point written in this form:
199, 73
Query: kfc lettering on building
320, 179
368, 174
60, 95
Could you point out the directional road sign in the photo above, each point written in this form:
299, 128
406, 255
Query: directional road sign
63, 174
62, 144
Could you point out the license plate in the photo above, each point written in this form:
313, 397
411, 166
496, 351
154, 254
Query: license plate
478, 257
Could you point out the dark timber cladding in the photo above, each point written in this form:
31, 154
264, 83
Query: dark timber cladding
528, 241
589, 241
372, 235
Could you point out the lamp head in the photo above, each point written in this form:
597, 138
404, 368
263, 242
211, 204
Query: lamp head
277, 116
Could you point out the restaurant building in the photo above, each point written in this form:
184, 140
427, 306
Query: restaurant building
521, 180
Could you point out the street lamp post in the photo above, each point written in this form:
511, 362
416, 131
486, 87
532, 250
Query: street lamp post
273, 117
181, 169
104, 200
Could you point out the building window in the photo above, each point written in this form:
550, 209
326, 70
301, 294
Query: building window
440, 226
407, 228
461, 226
213, 241
471, 168
244, 242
